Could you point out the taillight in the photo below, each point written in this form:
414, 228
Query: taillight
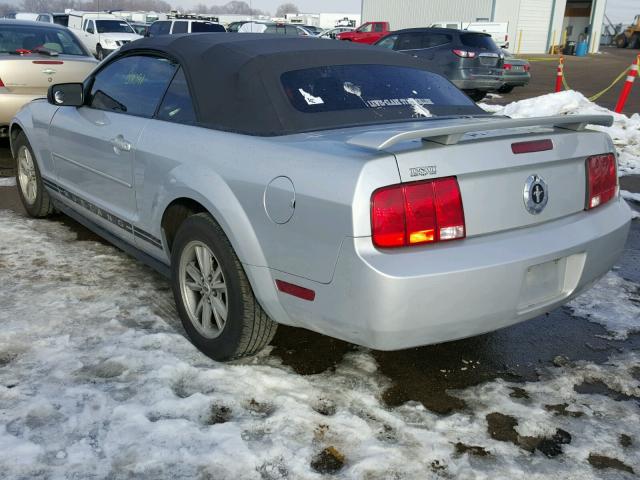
1, 83
464, 53
527, 67
417, 213
507, 66
602, 179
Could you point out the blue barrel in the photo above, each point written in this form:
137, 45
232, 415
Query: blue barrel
581, 49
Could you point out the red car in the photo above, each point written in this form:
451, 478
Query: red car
369, 32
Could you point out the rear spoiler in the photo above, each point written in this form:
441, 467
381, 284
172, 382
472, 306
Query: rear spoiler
452, 133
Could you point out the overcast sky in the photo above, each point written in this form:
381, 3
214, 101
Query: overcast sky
617, 10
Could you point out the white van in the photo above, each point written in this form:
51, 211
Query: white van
102, 33
499, 31
26, 16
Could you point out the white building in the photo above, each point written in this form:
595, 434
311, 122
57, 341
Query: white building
534, 25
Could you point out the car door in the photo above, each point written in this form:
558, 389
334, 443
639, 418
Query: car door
88, 35
93, 147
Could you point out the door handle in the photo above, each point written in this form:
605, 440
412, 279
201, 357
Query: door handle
119, 144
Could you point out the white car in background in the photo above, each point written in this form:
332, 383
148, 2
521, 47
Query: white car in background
102, 33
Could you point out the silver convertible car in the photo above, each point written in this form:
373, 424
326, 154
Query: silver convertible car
332, 186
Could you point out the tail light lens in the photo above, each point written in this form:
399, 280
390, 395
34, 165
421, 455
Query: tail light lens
464, 53
527, 67
507, 66
417, 213
602, 179
1, 83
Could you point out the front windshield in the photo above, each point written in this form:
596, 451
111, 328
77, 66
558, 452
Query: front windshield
113, 26
25, 39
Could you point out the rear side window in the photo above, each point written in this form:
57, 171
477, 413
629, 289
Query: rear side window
409, 41
378, 27
198, 27
133, 85
61, 20
479, 41
383, 90
180, 27
177, 105
430, 40
159, 28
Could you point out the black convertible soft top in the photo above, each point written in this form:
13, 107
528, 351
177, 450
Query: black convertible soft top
235, 79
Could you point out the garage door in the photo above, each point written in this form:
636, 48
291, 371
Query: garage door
533, 21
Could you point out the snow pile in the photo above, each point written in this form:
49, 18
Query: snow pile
7, 181
625, 131
97, 381
614, 303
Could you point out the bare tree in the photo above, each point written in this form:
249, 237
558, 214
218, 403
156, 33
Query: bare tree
287, 8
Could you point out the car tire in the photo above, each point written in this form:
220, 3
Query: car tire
35, 199
506, 89
99, 53
621, 41
208, 279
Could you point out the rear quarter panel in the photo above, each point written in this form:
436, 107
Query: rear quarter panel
228, 174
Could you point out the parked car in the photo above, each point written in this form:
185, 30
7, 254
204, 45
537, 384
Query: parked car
332, 33
102, 33
140, 28
176, 26
352, 191
233, 27
275, 28
369, 33
26, 16
471, 60
517, 72
32, 57
57, 18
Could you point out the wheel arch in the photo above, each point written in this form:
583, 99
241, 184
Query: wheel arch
241, 235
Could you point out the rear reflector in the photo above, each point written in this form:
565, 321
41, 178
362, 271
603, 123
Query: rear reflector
48, 62
602, 179
417, 213
296, 290
532, 146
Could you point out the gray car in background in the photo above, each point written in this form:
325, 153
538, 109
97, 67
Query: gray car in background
517, 72
471, 60
333, 186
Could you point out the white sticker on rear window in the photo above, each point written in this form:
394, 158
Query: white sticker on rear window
310, 99
398, 102
419, 110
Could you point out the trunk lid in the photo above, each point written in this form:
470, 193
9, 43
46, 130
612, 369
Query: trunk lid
493, 178
33, 74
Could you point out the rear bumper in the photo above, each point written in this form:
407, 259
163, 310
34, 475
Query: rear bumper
517, 80
10, 103
466, 80
433, 294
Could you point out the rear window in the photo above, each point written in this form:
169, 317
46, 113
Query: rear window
61, 20
198, 27
20, 38
478, 40
385, 91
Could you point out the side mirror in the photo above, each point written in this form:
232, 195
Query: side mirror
66, 95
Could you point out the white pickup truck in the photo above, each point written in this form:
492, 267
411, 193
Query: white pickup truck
499, 31
102, 33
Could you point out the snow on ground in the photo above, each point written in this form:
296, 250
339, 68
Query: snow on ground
625, 130
97, 380
7, 181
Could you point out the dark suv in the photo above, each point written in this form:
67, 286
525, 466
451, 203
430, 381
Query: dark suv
471, 60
